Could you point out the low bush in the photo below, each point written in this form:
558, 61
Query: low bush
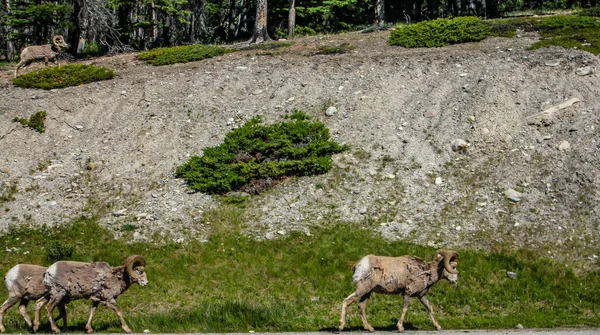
35, 121
254, 156
440, 32
65, 76
181, 54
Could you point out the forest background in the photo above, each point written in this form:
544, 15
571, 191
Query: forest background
98, 27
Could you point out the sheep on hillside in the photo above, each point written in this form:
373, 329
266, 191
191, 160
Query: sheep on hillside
407, 275
46, 52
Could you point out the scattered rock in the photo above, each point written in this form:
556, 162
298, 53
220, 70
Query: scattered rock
363, 210
459, 145
584, 71
519, 326
553, 63
564, 146
331, 111
438, 181
547, 117
513, 195
511, 275
120, 212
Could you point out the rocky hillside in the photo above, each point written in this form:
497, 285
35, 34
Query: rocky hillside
514, 178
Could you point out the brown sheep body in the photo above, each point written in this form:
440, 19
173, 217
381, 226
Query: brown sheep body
46, 52
406, 275
25, 282
98, 281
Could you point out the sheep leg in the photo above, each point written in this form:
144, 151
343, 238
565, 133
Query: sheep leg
23, 311
362, 305
405, 303
88, 326
347, 302
52, 303
112, 304
427, 305
11, 301
46, 60
62, 314
38, 307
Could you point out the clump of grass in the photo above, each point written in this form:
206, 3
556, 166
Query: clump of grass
581, 32
440, 32
7, 192
128, 227
269, 45
297, 283
65, 76
58, 250
181, 54
35, 121
592, 11
254, 156
336, 49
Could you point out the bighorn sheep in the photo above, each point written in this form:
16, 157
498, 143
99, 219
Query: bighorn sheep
408, 276
98, 281
44, 52
24, 282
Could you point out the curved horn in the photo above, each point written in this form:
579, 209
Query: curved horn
133, 261
448, 256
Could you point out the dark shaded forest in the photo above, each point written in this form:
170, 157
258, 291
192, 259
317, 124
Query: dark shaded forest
97, 27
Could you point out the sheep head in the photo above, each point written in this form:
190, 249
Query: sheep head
446, 262
59, 42
134, 266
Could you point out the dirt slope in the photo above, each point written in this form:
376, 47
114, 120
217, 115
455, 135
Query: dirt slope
110, 148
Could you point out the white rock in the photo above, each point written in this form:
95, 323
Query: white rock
564, 146
513, 195
459, 145
584, 71
438, 181
331, 111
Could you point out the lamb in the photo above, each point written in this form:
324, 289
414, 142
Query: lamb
405, 275
98, 281
24, 282
44, 52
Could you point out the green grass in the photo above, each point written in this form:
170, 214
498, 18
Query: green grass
65, 76
181, 54
236, 284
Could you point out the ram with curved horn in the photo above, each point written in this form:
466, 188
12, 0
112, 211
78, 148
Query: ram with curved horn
98, 281
406, 275
46, 52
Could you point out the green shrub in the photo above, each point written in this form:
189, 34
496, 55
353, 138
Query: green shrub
593, 11
181, 54
440, 32
58, 251
508, 27
567, 23
35, 122
65, 76
254, 156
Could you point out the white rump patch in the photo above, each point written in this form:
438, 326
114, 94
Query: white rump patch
362, 269
50, 273
11, 276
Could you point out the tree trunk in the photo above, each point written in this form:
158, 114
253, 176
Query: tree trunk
260, 24
380, 12
292, 19
10, 45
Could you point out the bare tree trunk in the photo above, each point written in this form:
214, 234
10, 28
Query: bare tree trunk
10, 45
154, 24
380, 12
260, 24
292, 19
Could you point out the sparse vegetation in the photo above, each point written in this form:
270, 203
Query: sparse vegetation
35, 121
65, 76
336, 49
7, 192
181, 54
255, 156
